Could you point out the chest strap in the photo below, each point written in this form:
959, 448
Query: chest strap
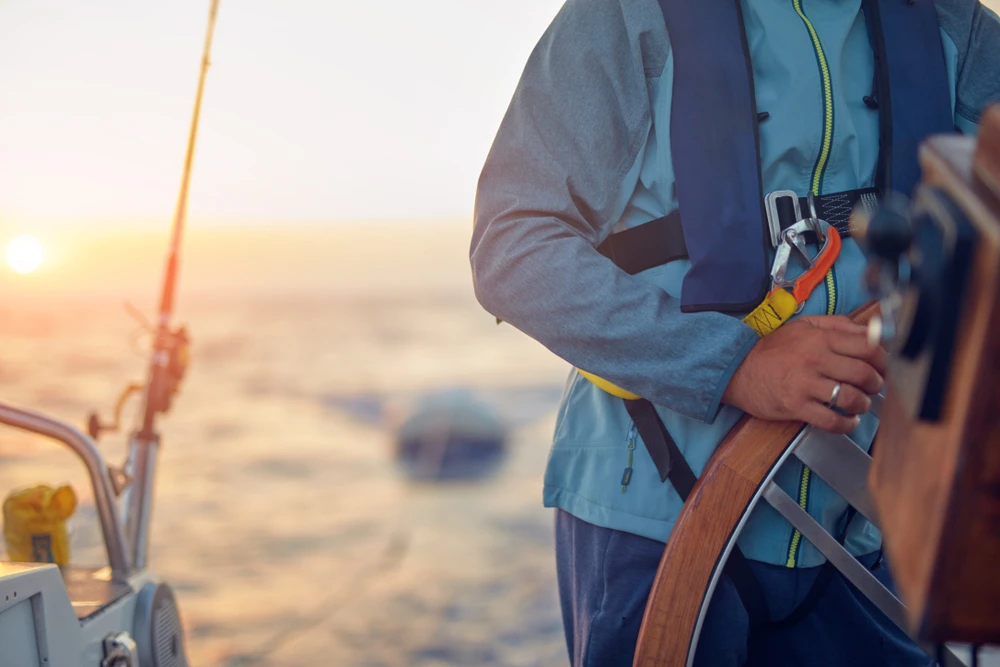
661, 241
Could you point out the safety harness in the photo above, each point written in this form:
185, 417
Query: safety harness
727, 230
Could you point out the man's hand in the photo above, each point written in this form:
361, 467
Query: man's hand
791, 373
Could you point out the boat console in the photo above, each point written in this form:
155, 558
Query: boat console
116, 615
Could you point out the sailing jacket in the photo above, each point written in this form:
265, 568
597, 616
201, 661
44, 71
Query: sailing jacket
584, 151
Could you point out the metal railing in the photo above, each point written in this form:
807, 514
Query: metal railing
85, 448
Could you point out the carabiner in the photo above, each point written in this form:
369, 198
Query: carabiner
822, 263
791, 241
787, 297
816, 268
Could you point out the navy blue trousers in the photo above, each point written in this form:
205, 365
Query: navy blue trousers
605, 577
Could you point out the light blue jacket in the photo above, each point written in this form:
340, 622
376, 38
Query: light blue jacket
584, 151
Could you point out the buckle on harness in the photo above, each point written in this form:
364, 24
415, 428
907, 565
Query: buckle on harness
792, 243
787, 297
816, 268
771, 207
814, 220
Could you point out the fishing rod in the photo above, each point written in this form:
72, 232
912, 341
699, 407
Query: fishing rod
169, 356
168, 361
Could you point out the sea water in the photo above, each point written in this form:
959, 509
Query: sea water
281, 519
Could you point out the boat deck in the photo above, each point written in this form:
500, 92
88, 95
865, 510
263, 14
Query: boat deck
91, 589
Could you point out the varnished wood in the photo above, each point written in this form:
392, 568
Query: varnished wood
709, 517
986, 164
937, 485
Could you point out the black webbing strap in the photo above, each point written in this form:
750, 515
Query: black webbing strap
671, 465
669, 461
835, 208
650, 244
660, 241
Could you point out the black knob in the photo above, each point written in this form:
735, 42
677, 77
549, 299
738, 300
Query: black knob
889, 234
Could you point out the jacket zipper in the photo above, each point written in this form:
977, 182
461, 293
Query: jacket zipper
816, 186
627, 474
824, 70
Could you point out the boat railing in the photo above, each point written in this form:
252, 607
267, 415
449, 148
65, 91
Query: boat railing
86, 449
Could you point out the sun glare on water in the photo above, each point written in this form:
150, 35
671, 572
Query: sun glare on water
24, 254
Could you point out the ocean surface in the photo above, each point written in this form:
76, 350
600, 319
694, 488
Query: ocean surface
281, 518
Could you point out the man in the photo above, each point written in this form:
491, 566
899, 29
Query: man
605, 134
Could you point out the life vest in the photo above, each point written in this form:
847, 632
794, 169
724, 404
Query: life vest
721, 224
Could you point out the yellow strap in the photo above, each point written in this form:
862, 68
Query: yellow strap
774, 311
612, 389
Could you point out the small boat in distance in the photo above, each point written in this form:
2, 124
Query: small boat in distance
450, 435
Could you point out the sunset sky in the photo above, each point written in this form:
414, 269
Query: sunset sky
315, 111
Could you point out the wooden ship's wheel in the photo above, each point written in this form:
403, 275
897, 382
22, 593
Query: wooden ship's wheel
933, 488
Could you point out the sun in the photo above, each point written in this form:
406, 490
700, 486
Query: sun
24, 254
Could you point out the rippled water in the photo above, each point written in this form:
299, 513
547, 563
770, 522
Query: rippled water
281, 518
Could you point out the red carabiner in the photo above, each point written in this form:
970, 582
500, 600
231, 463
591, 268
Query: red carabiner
822, 263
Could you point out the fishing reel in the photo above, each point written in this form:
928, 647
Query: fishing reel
173, 346
177, 348
919, 257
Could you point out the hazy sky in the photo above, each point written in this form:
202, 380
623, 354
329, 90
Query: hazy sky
314, 110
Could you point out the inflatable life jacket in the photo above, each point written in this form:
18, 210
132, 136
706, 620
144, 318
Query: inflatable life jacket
715, 146
716, 153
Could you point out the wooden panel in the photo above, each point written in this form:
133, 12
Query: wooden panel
709, 517
937, 485
965, 591
987, 160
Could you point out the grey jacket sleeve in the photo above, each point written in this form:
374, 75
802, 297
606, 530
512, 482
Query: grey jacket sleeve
551, 190
975, 30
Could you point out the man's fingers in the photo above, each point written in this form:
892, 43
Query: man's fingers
847, 338
840, 323
791, 374
850, 399
852, 345
855, 372
826, 419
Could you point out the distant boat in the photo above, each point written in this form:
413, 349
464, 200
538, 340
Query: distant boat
448, 433
450, 436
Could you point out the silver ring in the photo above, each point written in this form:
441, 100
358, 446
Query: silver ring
834, 396
813, 219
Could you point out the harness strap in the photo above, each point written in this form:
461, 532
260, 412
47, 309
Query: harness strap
661, 241
669, 461
835, 208
645, 246
672, 466
714, 140
911, 86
